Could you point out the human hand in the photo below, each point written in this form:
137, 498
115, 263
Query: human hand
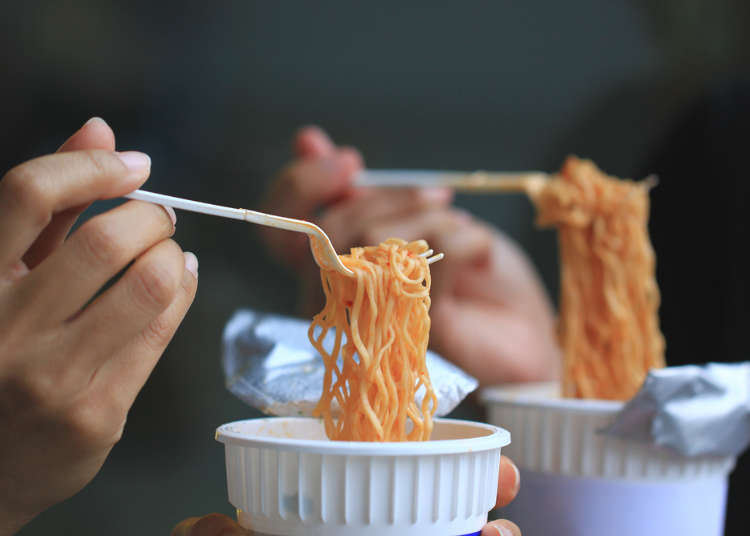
490, 313
508, 484
72, 361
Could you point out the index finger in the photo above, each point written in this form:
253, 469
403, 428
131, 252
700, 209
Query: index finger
33, 192
94, 134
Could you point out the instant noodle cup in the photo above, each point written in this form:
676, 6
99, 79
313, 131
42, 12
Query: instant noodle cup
576, 481
285, 477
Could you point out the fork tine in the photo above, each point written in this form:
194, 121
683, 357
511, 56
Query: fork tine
436, 258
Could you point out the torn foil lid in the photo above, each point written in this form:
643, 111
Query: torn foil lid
270, 364
694, 410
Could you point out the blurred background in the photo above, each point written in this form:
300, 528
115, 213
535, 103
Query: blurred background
215, 91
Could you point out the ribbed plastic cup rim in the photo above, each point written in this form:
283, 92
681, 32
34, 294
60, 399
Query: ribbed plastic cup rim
529, 395
495, 438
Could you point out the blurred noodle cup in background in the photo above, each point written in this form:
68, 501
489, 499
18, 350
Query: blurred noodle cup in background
578, 481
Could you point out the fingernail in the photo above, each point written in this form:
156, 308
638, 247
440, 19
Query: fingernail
338, 166
137, 163
350, 159
170, 211
191, 263
435, 195
518, 477
492, 529
95, 120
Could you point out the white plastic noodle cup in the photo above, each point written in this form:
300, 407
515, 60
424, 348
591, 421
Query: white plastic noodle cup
286, 478
575, 481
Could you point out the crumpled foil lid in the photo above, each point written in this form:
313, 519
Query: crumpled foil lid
270, 364
693, 410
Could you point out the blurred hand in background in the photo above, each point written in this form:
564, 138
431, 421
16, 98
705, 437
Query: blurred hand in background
72, 358
490, 313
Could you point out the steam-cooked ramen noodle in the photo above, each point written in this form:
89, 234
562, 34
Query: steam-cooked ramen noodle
377, 362
609, 299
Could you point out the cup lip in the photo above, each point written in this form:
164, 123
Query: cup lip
531, 395
497, 438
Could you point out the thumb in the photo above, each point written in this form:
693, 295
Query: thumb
210, 525
501, 527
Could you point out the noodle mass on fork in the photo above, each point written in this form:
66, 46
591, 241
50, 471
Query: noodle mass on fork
376, 365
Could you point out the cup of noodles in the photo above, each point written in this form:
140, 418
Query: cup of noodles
577, 481
285, 477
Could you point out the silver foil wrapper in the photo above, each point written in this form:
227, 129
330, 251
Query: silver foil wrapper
693, 410
270, 364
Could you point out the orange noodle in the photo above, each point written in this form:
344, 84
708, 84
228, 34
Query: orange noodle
377, 362
609, 299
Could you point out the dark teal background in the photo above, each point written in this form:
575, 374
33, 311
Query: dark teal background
213, 91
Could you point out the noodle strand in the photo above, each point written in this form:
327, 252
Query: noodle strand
380, 317
609, 299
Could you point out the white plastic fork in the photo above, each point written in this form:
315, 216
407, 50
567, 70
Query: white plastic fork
322, 249
528, 182
531, 183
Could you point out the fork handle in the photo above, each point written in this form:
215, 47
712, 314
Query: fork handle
186, 204
251, 216
479, 181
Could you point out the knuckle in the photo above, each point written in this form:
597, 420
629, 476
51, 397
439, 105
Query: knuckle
81, 424
22, 186
158, 333
89, 424
98, 161
159, 214
154, 217
155, 286
116, 434
189, 286
99, 241
31, 390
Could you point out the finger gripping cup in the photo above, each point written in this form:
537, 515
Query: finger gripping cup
287, 479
